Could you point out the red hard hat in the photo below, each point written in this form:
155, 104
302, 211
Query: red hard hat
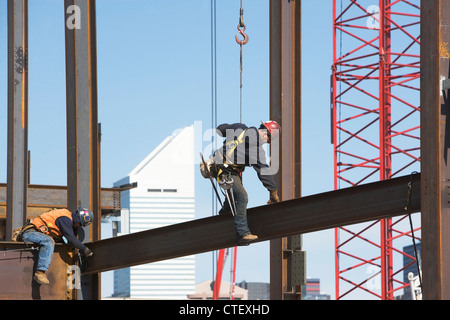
273, 127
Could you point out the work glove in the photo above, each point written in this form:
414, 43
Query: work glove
87, 252
82, 258
273, 197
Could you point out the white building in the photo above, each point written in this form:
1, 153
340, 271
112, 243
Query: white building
164, 196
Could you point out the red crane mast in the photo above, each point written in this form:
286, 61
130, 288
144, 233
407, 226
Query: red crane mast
375, 109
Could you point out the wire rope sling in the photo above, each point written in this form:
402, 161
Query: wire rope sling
241, 32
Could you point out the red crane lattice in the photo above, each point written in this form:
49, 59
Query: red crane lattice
376, 132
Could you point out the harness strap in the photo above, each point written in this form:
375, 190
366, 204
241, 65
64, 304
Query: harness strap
231, 147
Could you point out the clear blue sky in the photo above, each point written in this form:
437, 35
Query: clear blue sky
154, 76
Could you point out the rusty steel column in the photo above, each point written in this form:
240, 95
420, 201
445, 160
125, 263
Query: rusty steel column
82, 115
435, 139
287, 259
83, 152
17, 175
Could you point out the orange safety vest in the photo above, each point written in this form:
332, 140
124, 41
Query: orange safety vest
45, 223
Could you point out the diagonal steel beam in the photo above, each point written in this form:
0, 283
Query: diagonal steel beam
313, 213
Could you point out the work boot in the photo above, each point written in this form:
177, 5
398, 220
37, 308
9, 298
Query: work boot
41, 278
247, 239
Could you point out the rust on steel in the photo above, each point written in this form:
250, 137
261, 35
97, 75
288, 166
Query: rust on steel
285, 108
17, 265
435, 136
313, 213
42, 198
17, 175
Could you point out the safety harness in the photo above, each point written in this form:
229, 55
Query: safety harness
223, 170
227, 165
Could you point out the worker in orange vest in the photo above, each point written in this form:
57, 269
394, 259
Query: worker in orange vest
53, 226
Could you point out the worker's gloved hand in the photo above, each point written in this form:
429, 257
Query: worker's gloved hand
273, 197
87, 252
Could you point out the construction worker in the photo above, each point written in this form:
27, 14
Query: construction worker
53, 226
243, 148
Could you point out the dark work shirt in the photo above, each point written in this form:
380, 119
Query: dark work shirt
252, 154
65, 225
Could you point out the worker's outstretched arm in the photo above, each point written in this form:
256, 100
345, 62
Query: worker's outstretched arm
66, 226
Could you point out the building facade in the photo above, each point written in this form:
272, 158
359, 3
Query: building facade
165, 195
311, 290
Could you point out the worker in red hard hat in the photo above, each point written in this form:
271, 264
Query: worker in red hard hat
53, 226
242, 148
272, 127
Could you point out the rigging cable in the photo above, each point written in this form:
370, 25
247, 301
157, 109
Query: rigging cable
213, 105
241, 31
408, 210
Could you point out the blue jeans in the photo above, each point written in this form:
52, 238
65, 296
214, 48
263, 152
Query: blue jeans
241, 201
47, 247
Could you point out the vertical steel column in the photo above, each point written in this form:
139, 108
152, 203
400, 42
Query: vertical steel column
285, 108
83, 151
435, 117
17, 175
82, 118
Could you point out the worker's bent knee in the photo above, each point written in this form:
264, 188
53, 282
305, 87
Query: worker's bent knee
48, 241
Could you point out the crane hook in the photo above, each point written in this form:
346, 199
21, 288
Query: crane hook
241, 32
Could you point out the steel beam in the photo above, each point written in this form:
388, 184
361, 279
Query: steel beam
17, 176
42, 198
435, 139
83, 138
285, 108
18, 263
82, 118
313, 213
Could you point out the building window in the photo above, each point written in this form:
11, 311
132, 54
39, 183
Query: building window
162, 190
